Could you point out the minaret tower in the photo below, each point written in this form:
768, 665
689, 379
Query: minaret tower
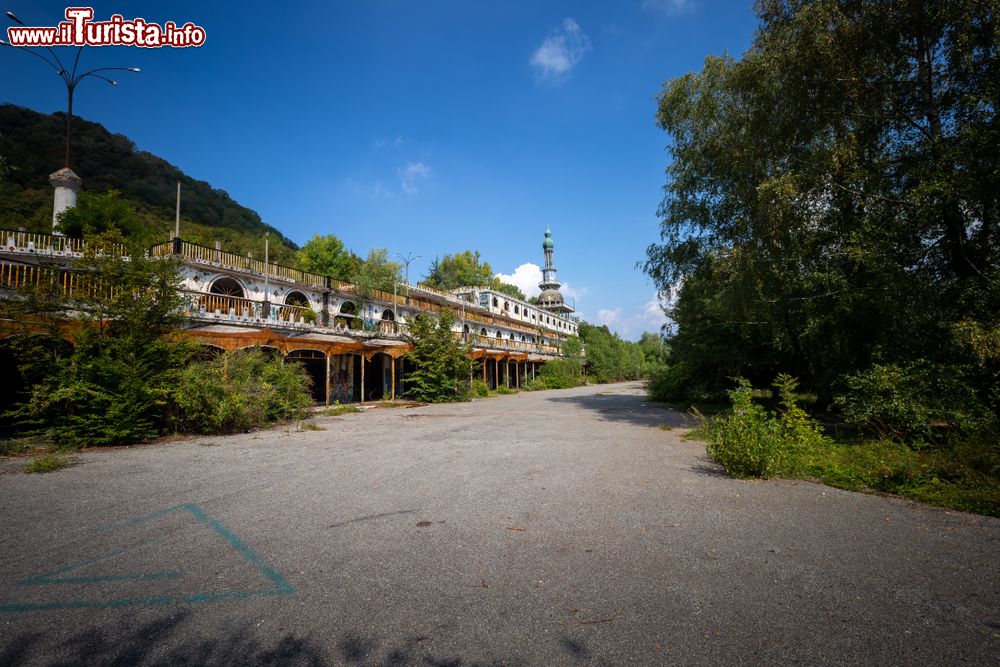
551, 298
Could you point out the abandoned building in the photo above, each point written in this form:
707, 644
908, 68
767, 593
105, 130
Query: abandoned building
351, 341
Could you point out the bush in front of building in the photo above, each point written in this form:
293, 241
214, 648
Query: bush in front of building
239, 391
441, 365
560, 373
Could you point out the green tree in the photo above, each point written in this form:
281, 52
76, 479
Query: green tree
609, 358
441, 365
115, 386
326, 255
459, 270
508, 289
377, 272
464, 269
832, 199
99, 213
572, 346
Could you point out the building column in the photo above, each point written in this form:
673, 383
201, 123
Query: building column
328, 379
392, 396
362, 357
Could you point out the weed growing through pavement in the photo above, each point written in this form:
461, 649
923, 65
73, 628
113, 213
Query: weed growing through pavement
309, 426
47, 463
338, 409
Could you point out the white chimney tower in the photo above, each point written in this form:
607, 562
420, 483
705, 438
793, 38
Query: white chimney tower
67, 185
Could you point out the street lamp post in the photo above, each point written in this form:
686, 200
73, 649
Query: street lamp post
406, 260
69, 77
395, 310
66, 183
267, 276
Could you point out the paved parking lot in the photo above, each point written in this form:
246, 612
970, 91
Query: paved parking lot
561, 527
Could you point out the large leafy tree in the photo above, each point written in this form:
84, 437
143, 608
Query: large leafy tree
114, 387
376, 271
458, 270
833, 195
467, 268
441, 365
99, 213
326, 255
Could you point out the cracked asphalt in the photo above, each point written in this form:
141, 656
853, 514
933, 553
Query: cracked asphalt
548, 528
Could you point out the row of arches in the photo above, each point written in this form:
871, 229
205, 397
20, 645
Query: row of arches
349, 377
347, 312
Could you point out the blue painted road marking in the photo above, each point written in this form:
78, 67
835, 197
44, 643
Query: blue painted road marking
278, 584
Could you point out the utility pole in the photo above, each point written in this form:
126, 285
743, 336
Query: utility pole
177, 221
406, 261
267, 275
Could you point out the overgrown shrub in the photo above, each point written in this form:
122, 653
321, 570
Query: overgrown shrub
239, 391
919, 402
747, 442
561, 373
49, 462
676, 384
114, 386
441, 365
752, 442
480, 389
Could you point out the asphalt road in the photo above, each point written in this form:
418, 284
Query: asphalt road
549, 528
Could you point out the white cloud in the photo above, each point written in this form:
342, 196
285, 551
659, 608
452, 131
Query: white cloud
571, 293
375, 190
411, 175
561, 51
608, 316
382, 143
526, 277
650, 317
669, 7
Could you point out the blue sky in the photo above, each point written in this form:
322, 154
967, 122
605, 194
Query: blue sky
424, 127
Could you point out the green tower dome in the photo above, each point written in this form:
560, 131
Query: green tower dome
548, 244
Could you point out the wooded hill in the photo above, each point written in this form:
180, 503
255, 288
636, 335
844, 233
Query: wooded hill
32, 144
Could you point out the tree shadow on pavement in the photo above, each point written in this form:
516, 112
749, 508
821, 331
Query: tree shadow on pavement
630, 409
179, 640
160, 642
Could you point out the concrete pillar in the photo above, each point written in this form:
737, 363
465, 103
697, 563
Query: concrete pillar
67, 185
362, 358
327, 380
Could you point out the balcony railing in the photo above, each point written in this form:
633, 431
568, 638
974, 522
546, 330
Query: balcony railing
71, 284
236, 309
493, 343
30, 243
231, 260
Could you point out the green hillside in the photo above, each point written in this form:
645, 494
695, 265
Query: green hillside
32, 144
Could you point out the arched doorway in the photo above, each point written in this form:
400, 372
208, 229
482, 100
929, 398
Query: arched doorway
296, 298
348, 316
226, 286
388, 324
314, 364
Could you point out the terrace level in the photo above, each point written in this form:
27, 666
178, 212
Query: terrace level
353, 342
